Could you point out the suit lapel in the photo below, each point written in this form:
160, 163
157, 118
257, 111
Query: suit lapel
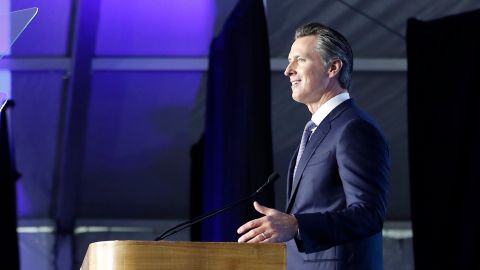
291, 168
316, 139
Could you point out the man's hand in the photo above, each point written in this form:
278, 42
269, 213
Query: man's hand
274, 227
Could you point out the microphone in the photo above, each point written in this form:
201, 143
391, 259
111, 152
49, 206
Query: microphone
272, 178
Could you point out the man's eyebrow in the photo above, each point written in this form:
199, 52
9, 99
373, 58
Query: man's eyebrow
295, 56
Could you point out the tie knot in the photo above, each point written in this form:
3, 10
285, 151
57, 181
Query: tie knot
310, 125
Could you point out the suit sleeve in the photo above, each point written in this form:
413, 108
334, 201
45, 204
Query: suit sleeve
363, 164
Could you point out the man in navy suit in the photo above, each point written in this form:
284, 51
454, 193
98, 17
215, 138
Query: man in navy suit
338, 179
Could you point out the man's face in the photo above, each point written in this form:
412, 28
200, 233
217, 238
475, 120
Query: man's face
306, 71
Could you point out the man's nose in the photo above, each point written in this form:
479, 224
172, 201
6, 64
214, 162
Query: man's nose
289, 70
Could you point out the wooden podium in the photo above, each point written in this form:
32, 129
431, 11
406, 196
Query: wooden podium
143, 255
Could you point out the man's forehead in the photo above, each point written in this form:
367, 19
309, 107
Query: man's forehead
302, 46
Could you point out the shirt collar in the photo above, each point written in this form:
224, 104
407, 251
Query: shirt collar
328, 106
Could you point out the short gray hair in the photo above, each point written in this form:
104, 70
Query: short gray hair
331, 45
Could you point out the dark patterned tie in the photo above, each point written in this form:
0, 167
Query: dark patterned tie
305, 137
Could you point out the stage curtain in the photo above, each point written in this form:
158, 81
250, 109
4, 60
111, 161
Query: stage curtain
443, 127
236, 148
8, 178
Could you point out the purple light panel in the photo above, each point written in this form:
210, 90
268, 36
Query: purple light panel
137, 144
4, 26
155, 28
47, 34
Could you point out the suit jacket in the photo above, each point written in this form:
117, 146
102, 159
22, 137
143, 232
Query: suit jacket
339, 194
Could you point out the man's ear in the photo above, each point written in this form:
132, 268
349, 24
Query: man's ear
335, 67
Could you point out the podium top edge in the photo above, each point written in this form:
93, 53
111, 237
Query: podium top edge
163, 242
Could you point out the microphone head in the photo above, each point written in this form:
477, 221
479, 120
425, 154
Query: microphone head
273, 177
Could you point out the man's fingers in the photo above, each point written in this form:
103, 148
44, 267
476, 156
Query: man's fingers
257, 239
263, 209
274, 222
249, 225
261, 238
245, 239
268, 240
268, 237
252, 236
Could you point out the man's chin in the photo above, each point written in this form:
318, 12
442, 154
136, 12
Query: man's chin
296, 97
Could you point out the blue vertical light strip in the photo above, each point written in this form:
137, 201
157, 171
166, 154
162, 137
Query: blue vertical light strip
5, 84
5, 76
